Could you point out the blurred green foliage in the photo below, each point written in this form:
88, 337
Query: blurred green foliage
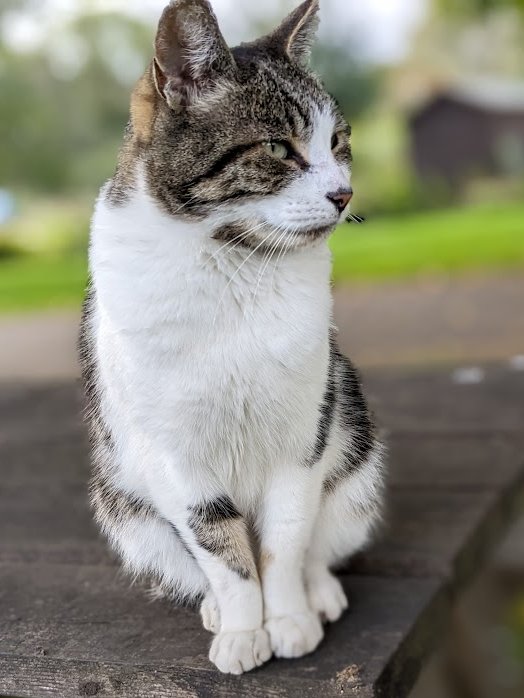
9, 249
468, 8
48, 226
38, 282
63, 108
64, 105
354, 86
447, 241
59, 132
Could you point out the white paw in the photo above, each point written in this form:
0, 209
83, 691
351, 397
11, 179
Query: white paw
236, 652
294, 635
209, 613
326, 596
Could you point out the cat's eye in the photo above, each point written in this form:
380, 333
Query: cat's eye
277, 149
336, 139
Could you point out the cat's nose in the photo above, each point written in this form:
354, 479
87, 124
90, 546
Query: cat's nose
341, 198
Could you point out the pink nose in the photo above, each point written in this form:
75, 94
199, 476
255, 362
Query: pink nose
340, 198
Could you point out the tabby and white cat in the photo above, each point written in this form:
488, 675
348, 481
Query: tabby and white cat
235, 460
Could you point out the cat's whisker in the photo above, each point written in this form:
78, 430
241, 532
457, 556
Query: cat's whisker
291, 242
272, 249
265, 261
234, 242
354, 218
243, 235
186, 203
285, 232
263, 241
237, 240
280, 232
281, 253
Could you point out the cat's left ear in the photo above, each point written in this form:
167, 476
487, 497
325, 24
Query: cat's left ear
190, 52
296, 34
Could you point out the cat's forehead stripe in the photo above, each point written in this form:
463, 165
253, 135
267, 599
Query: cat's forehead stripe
323, 126
316, 145
297, 102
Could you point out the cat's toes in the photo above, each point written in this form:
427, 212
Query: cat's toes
209, 613
294, 635
236, 652
326, 596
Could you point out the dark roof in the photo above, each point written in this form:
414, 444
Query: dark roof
489, 94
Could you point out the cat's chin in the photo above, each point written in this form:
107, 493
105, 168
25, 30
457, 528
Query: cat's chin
309, 236
319, 231
265, 236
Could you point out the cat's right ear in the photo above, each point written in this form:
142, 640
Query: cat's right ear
190, 52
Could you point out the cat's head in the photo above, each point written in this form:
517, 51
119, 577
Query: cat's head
247, 138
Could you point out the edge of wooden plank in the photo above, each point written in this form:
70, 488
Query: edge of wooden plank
401, 672
44, 677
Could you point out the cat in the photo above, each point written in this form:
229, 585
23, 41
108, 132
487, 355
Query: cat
235, 460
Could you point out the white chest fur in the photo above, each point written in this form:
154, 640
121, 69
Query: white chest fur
217, 369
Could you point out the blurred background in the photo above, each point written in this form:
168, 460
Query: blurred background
434, 90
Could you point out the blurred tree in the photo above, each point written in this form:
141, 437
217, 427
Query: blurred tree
64, 105
8, 5
468, 8
459, 42
354, 86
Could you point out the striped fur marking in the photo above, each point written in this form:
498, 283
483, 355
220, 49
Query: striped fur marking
221, 530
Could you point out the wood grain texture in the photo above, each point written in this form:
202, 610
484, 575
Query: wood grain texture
88, 617
71, 624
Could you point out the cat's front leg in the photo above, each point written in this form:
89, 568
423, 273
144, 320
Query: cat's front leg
290, 508
216, 534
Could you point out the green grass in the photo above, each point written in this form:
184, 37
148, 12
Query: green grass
437, 242
35, 282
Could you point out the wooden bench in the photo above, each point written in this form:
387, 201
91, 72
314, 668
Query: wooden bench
71, 625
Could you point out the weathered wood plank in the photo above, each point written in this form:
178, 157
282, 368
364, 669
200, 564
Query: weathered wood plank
90, 615
74, 627
454, 461
45, 512
429, 401
41, 677
61, 457
421, 401
425, 528
28, 412
441, 532
476, 460
426, 524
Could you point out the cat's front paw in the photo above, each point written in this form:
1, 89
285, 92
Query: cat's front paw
294, 635
236, 652
210, 613
326, 596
